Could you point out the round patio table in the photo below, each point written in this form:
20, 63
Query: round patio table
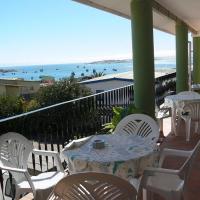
124, 156
175, 103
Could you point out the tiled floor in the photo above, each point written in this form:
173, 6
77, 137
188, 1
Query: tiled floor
178, 142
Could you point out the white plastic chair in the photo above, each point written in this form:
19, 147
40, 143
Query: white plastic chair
14, 152
139, 125
190, 112
168, 183
163, 112
93, 186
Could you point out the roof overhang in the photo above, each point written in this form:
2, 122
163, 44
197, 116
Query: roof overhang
165, 12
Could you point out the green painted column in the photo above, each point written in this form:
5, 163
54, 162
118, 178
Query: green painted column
196, 59
181, 57
143, 55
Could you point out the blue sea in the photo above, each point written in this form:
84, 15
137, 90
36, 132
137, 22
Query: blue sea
59, 71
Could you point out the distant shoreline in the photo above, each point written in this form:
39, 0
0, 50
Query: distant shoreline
126, 60
110, 61
7, 70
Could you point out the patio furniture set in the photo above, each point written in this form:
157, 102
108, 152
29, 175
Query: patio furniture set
124, 165
184, 105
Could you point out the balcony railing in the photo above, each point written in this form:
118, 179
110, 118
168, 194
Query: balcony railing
52, 126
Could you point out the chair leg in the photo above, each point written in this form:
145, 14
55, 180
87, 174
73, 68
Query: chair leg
196, 127
161, 134
188, 122
144, 194
161, 125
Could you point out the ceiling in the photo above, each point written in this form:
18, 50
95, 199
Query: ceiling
165, 12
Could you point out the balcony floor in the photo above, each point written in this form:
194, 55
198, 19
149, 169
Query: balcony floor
177, 142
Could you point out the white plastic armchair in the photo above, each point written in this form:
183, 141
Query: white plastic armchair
139, 125
14, 152
190, 112
163, 112
93, 186
168, 183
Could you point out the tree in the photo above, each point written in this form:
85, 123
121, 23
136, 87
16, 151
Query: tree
64, 90
97, 74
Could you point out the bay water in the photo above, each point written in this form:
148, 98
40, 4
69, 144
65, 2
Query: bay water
59, 71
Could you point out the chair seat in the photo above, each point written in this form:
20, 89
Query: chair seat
43, 181
44, 184
164, 182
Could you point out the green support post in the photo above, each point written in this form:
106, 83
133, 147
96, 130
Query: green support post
181, 57
143, 55
196, 59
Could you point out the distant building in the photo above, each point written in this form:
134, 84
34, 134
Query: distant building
109, 82
112, 81
18, 87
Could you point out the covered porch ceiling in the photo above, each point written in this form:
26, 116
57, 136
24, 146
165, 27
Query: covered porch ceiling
165, 12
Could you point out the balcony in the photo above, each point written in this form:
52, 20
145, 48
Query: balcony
50, 128
192, 190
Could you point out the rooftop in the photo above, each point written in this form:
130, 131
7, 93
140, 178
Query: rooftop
126, 76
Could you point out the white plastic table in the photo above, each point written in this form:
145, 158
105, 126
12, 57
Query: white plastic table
175, 102
124, 156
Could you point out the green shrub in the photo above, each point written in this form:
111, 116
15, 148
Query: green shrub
10, 105
118, 114
63, 90
30, 105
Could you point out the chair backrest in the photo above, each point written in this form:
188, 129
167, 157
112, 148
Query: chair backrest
192, 108
188, 93
14, 150
93, 186
139, 125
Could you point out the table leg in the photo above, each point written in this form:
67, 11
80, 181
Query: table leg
173, 121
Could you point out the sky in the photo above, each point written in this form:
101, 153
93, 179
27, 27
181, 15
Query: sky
63, 31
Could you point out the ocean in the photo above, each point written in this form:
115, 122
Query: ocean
59, 71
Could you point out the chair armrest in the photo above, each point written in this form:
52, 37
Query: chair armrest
53, 154
151, 171
173, 152
13, 169
164, 112
45, 153
176, 152
24, 171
